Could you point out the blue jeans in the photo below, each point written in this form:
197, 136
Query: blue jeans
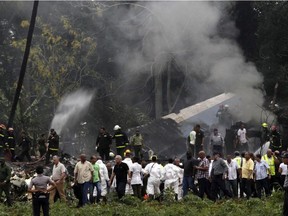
188, 182
98, 188
85, 188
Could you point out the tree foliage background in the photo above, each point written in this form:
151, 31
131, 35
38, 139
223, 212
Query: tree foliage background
73, 47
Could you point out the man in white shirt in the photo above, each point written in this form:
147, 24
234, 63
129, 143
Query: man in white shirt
232, 175
191, 142
243, 139
171, 176
136, 181
261, 176
128, 161
153, 170
104, 178
58, 176
283, 172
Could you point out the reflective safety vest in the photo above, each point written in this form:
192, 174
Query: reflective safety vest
239, 161
271, 163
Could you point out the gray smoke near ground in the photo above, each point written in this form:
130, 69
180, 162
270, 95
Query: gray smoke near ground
200, 37
71, 108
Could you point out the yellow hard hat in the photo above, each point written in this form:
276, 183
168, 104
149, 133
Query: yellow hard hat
265, 125
127, 152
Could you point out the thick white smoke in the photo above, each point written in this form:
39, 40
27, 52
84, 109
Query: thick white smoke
71, 108
203, 30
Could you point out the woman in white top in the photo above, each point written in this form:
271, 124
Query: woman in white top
283, 171
136, 181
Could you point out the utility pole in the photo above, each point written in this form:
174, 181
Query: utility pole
24, 63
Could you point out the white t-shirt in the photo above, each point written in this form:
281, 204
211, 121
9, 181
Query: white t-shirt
232, 170
284, 169
242, 135
192, 137
128, 161
136, 169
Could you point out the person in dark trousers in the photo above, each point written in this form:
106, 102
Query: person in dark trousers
5, 175
53, 145
83, 176
247, 174
11, 143
121, 140
103, 143
189, 174
25, 144
202, 176
261, 176
136, 182
285, 186
42, 145
40, 194
121, 170
233, 171
199, 141
218, 172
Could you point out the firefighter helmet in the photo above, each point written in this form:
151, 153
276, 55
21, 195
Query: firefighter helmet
111, 154
116, 127
265, 125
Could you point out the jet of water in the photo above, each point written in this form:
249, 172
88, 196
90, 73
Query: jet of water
71, 108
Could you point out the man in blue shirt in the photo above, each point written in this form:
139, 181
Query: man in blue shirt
261, 176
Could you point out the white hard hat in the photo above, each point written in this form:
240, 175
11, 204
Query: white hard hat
226, 106
111, 154
117, 127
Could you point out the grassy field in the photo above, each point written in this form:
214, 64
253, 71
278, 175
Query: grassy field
191, 205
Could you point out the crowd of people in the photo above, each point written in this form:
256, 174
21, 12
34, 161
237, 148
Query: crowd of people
214, 177
239, 176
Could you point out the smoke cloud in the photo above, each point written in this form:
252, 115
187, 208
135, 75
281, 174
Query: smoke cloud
71, 108
201, 38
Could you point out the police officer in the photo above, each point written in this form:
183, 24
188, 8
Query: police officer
121, 140
11, 142
53, 145
40, 194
